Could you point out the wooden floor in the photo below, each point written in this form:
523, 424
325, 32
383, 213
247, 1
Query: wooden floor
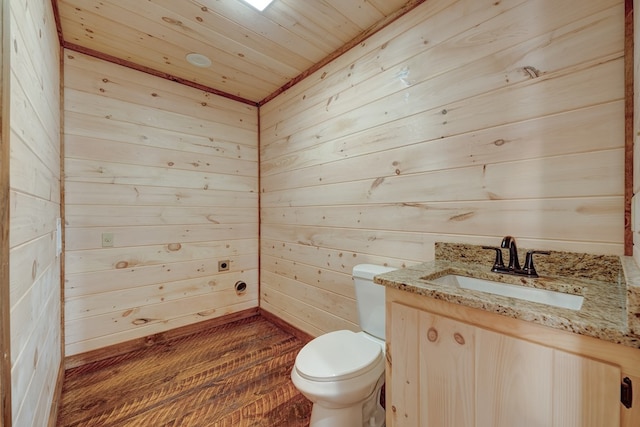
232, 375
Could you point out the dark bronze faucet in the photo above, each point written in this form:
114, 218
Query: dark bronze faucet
509, 242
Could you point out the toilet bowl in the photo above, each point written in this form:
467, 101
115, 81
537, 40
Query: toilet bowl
342, 372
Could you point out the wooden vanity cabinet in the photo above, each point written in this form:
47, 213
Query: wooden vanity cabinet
450, 366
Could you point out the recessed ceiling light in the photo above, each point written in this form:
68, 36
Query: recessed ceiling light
199, 60
259, 4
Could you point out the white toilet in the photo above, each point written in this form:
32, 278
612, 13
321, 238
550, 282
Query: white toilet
342, 372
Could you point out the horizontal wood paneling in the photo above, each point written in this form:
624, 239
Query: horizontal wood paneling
481, 182
171, 172
94, 260
534, 98
99, 194
125, 314
93, 215
96, 127
94, 304
546, 136
463, 121
118, 279
132, 112
35, 282
546, 218
458, 35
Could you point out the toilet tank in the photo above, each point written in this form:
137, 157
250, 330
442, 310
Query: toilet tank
370, 298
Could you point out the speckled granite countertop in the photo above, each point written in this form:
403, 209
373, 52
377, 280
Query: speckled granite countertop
610, 286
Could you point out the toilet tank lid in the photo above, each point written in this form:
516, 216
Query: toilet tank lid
368, 271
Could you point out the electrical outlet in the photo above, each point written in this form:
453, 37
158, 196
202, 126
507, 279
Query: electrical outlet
107, 240
223, 265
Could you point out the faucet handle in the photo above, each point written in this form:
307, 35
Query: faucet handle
528, 268
498, 264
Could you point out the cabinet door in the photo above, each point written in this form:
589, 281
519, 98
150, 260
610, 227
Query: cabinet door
432, 370
447, 373
525, 384
586, 392
514, 382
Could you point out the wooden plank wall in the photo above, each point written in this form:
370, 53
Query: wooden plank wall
171, 173
5, 304
463, 121
35, 207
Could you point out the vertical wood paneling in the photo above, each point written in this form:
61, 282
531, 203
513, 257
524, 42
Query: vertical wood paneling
447, 369
35, 205
463, 121
507, 394
403, 364
171, 173
584, 380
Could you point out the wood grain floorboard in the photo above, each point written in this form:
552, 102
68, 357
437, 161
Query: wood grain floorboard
236, 374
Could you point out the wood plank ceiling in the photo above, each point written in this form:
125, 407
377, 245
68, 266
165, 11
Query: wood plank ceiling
254, 55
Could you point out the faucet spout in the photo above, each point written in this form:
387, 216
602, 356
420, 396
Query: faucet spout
510, 243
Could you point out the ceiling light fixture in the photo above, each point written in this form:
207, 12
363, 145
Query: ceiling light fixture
198, 59
259, 4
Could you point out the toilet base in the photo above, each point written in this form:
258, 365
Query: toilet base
352, 416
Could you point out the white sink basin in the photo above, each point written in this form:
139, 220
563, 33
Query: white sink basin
543, 296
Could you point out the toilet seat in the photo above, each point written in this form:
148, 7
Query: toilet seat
338, 355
